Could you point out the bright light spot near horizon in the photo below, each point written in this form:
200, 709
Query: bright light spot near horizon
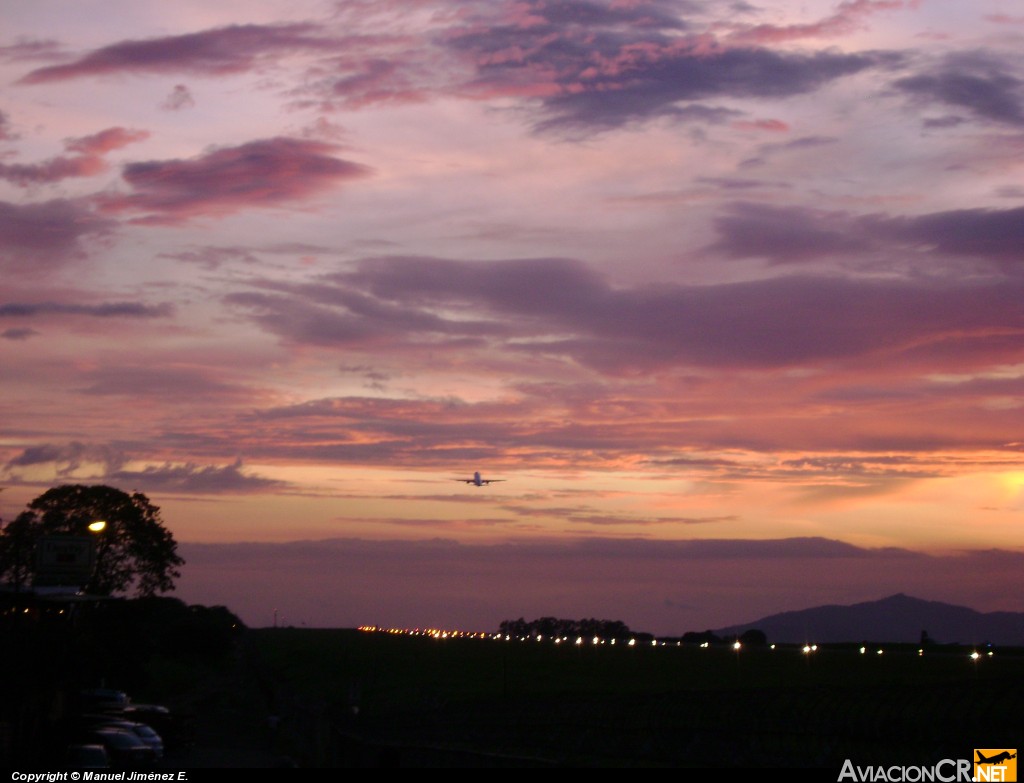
98, 525
736, 645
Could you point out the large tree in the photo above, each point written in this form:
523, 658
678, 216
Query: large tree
134, 552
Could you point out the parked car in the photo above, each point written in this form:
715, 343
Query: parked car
175, 729
125, 748
107, 699
86, 756
140, 730
144, 732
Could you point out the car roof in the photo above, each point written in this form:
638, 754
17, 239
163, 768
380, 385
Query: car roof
114, 731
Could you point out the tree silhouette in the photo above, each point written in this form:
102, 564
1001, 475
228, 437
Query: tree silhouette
133, 553
753, 637
555, 627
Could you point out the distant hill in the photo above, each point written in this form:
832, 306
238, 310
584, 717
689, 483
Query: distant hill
896, 619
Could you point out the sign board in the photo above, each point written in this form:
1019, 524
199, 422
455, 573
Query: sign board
64, 560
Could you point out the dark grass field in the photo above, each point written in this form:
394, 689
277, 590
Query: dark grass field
349, 698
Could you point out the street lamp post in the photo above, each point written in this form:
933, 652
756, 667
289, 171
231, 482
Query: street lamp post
95, 527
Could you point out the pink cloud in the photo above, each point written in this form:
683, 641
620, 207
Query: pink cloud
774, 126
265, 173
87, 163
105, 141
1005, 19
849, 17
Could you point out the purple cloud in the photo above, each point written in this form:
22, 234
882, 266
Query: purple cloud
180, 98
594, 68
563, 307
107, 464
18, 334
38, 238
71, 457
196, 479
104, 310
654, 89
165, 381
265, 173
785, 234
976, 82
6, 134
52, 170
217, 52
982, 233
591, 66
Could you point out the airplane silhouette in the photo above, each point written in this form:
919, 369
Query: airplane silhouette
477, 480
996, 758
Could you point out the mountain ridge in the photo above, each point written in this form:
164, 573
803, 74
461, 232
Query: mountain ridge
897, 618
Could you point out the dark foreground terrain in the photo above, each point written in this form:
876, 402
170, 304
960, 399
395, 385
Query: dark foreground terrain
249, 698
358, 699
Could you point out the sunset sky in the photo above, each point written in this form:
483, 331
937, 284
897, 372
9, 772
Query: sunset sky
730, 295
